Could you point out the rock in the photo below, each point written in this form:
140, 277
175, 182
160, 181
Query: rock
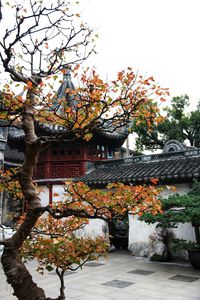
158, 249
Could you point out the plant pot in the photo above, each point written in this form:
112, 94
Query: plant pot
194, 258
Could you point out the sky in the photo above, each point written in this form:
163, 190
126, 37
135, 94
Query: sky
155, 37
159, 38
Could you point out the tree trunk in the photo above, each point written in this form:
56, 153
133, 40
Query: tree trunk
62, 283
17, 274
197, 233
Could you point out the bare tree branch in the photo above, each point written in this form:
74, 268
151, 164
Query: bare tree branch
35, 31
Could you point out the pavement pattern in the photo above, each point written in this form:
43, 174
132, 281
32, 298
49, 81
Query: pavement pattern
119, 276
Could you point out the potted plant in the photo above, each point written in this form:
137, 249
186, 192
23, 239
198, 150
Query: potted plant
193, 249
181, 209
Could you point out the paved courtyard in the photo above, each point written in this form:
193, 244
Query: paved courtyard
120, 276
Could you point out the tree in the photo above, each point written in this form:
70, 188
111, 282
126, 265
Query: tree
55, 246
177, 124
29, 56
180, 209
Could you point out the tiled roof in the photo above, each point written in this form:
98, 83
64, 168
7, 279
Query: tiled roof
49, 129
15, 133
183, 165
103, 129
13, 155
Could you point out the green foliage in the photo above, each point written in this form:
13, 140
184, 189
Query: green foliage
180, 244
178, 209
177, 124
171, 217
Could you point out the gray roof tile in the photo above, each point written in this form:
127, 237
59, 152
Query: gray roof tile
163, 167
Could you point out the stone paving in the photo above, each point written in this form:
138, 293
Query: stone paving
120, 276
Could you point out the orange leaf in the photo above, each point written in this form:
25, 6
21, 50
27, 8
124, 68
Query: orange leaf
56, 195
154, 180
29, 84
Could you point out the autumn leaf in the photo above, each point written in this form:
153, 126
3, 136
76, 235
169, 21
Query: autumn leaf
154, 180
56, 195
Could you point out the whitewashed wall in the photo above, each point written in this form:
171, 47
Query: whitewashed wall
139, 236
184, 231
58, 190
93, 229
44, 195
139, 232
1, 155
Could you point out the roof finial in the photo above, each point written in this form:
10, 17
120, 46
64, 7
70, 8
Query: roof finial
67, 72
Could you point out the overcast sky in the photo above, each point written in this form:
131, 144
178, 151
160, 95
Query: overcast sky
160, 38
157, 37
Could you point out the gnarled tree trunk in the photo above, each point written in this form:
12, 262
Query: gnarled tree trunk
17, 274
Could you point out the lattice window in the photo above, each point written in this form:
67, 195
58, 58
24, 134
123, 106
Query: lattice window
40, 171
73, 171
58, 171
65, 170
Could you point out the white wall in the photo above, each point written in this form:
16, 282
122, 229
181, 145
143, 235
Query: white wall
182, 188
139, 232
139, 236
93, 229
1, 155
44, 194
184, 231
57, 189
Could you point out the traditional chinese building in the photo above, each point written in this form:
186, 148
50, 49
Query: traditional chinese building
63, 160
99, 162
176, 166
